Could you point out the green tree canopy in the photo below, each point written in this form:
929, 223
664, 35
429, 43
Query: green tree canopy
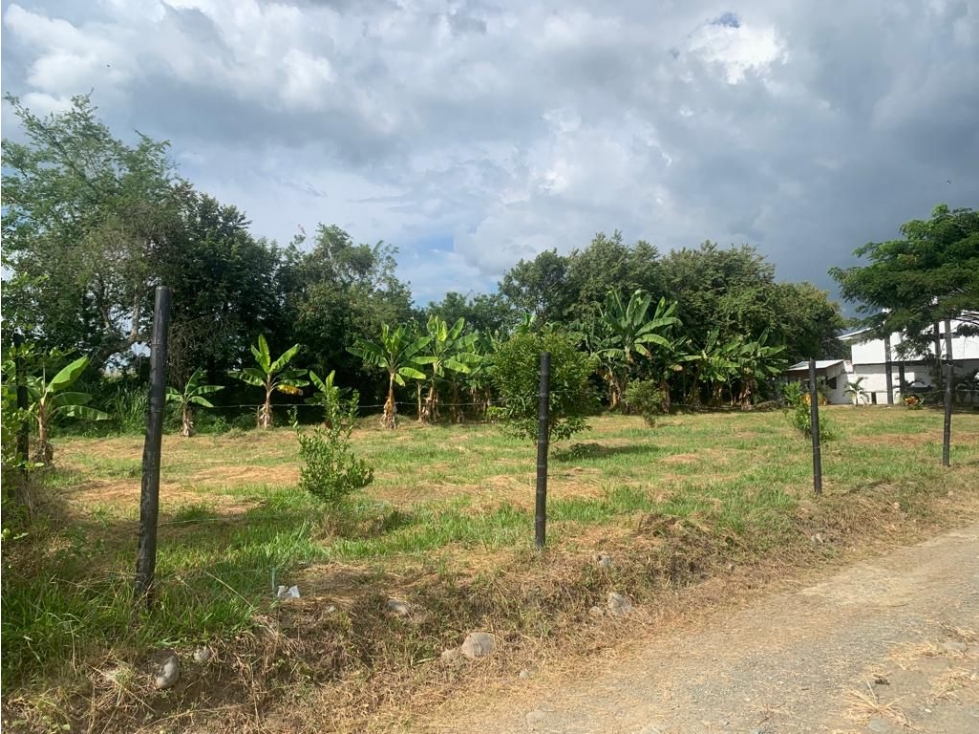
540, 287
516, 374
83, 214
930, 274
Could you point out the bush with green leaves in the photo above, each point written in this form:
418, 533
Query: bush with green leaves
645, 398
330, 471
516, 374
797, 410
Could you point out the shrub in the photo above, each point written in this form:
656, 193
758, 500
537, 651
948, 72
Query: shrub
330, 471
645, 398
516, 374
797, 411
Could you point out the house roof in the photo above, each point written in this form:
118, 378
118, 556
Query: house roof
821, 364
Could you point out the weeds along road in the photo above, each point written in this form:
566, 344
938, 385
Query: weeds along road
886, 645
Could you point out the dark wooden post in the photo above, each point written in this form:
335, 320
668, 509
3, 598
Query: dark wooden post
817, 463
949, 378
149, 501
888, 368
543, 420
24, 430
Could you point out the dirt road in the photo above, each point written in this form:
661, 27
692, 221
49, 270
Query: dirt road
887, 645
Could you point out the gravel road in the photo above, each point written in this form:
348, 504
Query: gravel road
886, 645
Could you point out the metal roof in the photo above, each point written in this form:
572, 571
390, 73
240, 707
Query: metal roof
821, 364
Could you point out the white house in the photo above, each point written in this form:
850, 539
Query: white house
872, 359
833, 373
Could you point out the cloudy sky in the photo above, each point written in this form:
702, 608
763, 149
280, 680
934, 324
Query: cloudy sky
474, 134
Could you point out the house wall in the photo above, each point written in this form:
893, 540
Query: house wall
834, 395
872, 351
868, 359
876, 379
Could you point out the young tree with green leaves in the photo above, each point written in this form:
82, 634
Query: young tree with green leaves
192, 394
397, 354
516, 374
50, 399
330, 397
272, 375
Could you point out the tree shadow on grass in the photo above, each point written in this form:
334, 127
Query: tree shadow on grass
592, 450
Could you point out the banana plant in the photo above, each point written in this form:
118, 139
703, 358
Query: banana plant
629, 330
193, 394
330, 396
756, 361
713, 366
50, 399
397, 354
857, 391
449, 353
272, 376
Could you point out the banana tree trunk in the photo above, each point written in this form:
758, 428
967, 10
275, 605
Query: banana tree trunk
265, 412
418, 395
44, 451
431, 409
187, 422
390, 418
664, 389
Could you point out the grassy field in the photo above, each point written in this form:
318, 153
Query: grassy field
447, 526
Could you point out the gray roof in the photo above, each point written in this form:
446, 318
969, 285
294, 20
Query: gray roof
821, 364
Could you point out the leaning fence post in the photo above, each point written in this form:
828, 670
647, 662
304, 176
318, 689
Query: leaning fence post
149, 500
543, 411
817, 462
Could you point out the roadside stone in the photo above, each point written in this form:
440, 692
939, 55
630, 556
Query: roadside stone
618, 605
526, 674
478, 645
167, 674
596, 612
399, 608
952, 646
879, 726
603, 560
203, 655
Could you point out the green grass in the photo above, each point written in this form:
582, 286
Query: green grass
233, 524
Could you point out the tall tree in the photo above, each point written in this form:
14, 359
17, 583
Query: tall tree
807, 323
83, 213
339, 292
731, 290
223, 281
485, 313
540, 287
608, 263
928, 275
